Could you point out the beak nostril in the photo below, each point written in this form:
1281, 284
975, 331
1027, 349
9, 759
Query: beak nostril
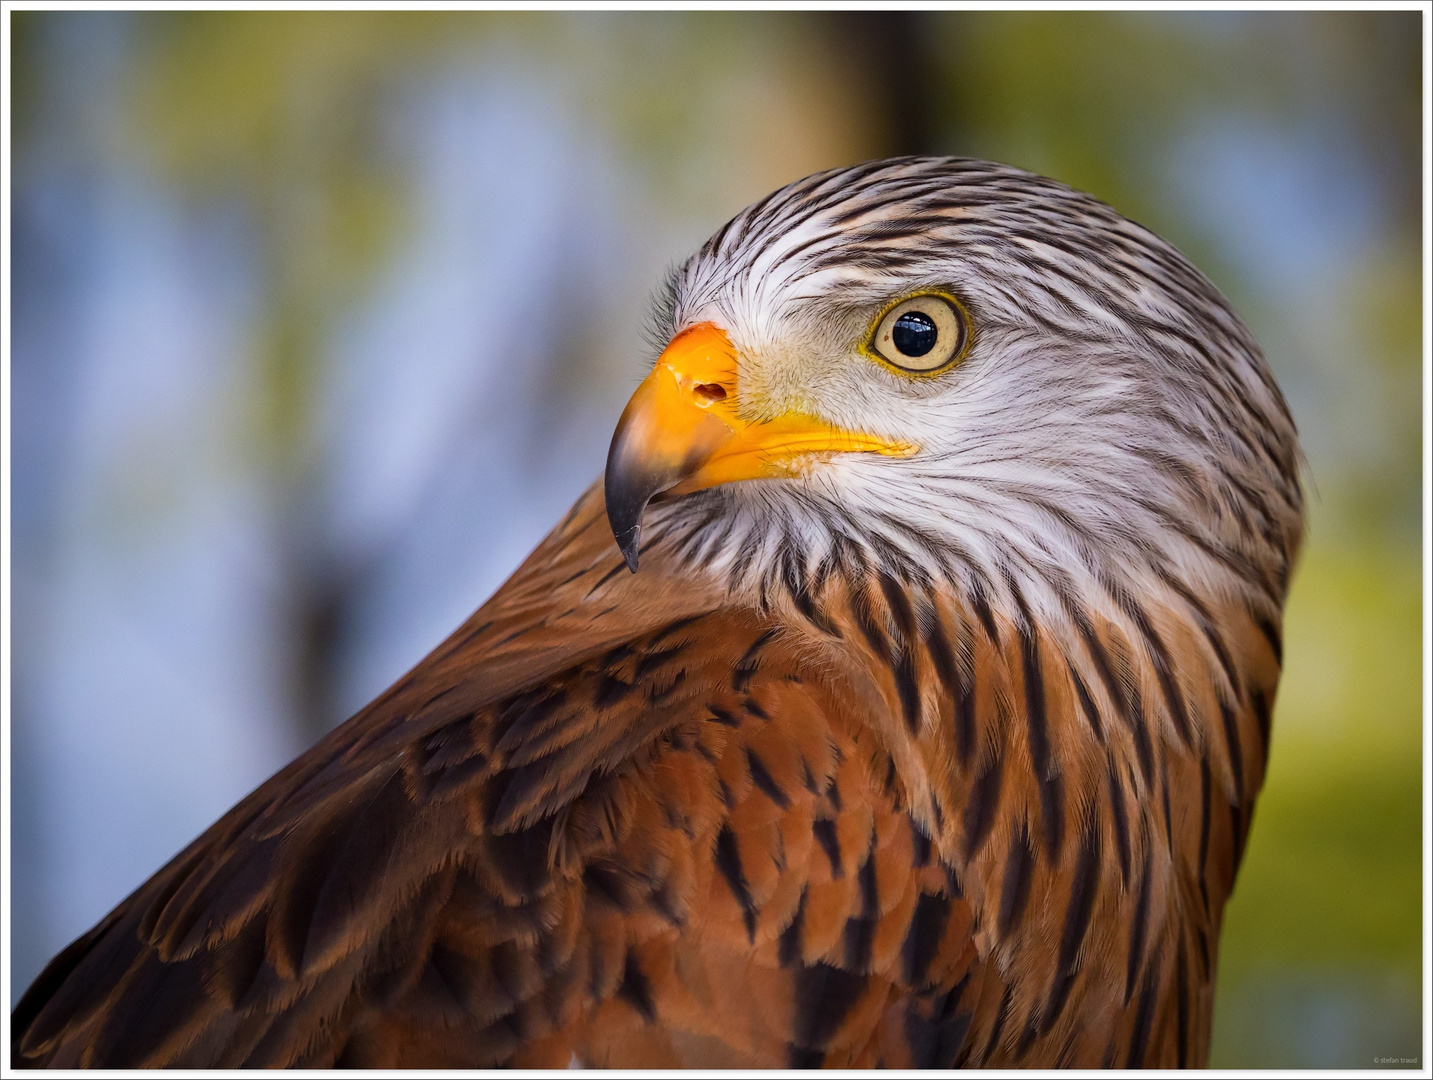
710, 392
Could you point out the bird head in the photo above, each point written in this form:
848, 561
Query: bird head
961, 368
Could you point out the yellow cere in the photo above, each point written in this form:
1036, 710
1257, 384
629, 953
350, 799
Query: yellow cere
694, 383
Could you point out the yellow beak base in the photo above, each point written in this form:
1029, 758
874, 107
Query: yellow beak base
680, 433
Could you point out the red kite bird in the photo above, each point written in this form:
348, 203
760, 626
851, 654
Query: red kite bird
915, 718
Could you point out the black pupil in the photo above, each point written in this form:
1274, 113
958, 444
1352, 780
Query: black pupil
914, 334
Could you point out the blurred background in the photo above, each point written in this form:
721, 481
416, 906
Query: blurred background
320, 321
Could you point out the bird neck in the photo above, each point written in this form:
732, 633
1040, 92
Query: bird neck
1106, 759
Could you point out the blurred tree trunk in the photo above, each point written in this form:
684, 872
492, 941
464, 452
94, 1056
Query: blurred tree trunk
892, 50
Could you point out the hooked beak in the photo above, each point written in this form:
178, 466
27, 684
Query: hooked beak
680, 433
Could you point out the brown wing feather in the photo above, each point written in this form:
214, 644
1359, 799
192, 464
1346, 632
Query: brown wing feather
627, 826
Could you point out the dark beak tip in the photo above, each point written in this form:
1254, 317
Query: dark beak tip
625, 521
629, 543
627, 490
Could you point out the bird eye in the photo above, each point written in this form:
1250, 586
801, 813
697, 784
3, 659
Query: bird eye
920, 334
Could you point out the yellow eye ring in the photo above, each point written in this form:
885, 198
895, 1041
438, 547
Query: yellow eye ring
920, 335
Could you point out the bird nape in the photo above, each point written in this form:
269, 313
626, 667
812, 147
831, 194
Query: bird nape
914, 718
